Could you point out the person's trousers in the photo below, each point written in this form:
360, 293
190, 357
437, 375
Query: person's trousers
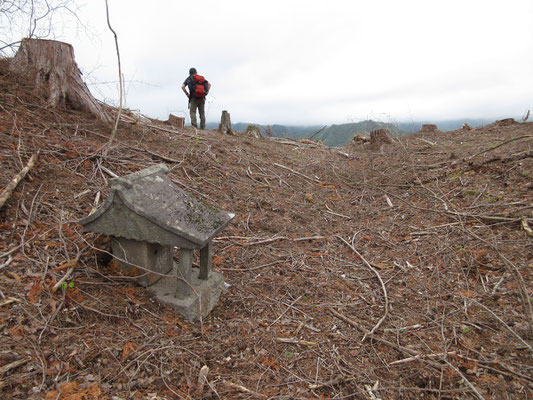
199, 104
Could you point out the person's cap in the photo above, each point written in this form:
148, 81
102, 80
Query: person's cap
192, 71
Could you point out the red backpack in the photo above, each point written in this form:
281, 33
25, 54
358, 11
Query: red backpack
199, 86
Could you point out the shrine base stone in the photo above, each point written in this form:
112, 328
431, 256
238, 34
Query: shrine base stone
205, 294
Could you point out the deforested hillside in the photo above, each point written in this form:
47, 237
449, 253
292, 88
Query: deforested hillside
400, 272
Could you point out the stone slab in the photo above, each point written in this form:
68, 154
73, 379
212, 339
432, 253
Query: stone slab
207, 294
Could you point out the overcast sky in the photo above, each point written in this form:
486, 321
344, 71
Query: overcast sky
316, 62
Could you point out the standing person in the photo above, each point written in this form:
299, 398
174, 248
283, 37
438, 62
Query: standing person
198, 88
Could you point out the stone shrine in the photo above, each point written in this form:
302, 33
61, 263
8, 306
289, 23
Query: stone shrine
146, 217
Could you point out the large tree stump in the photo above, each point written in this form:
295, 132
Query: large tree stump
254, 131
225, 124
505, 122
429, 128
55, 71
379, 137
176, 122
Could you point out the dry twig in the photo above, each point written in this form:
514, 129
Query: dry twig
243, 389
6, 193
367, 333
382, 287
121, 84
13, 365
500, 145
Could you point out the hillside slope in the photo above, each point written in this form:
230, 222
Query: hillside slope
404, 273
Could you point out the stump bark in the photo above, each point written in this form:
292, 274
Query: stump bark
379, 137
505, 122
176, 122
225, 124
254, 131
429, 128
51, 64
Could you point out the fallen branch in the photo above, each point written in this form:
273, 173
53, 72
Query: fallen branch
371, 389
276, 238
486, 364
8, 253
480, 217
513, 269
504, 324
297, 173
287, 142
9, 259
63, 279
420, 356
526, 227
13, 365
330, 211
427, 141
490, 218
309, 238
252, 268
465, 380
8, 191
70, 265
243, 389
9, 300
283, 313
108, 171
141, 149
333, 382
202, 380
295, 341
382, 286
317, 132
384, 341
404, 329
173, 131
500, 145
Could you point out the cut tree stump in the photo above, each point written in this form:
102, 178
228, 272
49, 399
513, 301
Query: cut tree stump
253, 130
6, 193
225, 124
429, 128
176, 122
505, 122
379, 137
52, 65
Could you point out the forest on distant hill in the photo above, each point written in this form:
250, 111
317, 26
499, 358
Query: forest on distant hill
341, 134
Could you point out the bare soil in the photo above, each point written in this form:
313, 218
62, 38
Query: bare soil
402, 273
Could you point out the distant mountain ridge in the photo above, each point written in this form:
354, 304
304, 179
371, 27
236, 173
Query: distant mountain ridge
342, 134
